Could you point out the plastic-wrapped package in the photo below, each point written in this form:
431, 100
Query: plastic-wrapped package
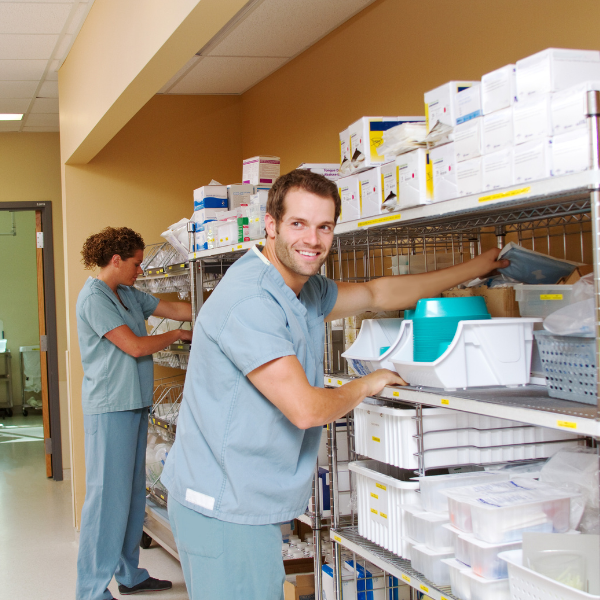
528, 266
577, 470
177, 235
579, 317
157, 451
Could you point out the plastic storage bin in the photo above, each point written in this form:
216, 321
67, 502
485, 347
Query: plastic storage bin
429, 563
483, 353
430, 529
459, 582
484, 556
462, 550
380, 496
410, 525
570, 366
488, 589
541, 300
526, 584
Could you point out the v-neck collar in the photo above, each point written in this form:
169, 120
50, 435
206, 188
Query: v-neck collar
112, 295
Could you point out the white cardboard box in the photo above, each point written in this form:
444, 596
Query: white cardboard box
443, 159
210, 191
238, 194
345, 152
497, 170
532, 119
369, 190
497, 130
569, 107
389, 185
442, 104
532, 161
555, 69
571, 152
469, 177
330, 171
415, 178
349, 194
261, 169
468, 140
498, 89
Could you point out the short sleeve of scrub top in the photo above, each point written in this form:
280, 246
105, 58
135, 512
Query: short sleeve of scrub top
101, 314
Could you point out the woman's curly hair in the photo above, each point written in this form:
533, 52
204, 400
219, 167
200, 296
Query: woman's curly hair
99, 248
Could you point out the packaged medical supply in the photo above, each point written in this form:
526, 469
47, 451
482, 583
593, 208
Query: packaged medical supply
484, 556
468, 139
498, 89
389, 186
555, 69
403, 138
569, 107
532, 267
497, 131
345, 157
443, 160
210, 204
239, 194
541, 300
532, 161
261, 170
487, 589
571, 152
348, 190
369, 190
446, 105
178, 236
469, 177
256, 214
213, 190
497, 169
532, 119
329, 170
415, 178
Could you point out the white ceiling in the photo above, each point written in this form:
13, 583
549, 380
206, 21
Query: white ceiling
35, 38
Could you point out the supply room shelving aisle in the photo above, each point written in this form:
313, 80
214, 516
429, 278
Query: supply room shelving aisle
542, 211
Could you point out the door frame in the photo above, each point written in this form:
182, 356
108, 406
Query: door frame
51, 328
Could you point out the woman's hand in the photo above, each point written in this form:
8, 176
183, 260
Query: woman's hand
488, 262
185, 335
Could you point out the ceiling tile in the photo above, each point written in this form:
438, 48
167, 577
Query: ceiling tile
21, 70
188, 67
10, 126
14, 105
33, 18
18, 89
40, 129
48, 89
286, 27
50, 120
27, 46
226, 75
44, 105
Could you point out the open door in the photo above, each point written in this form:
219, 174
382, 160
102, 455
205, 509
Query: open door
43, 340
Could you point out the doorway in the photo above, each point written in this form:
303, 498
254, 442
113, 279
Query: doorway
29, 400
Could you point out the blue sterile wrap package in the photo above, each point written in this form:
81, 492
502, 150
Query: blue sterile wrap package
528, 266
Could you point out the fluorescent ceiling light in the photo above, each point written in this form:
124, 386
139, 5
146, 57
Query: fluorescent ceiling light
10, 117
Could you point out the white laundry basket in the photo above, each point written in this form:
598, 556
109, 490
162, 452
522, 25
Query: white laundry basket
493, 352
526, 584
380, 498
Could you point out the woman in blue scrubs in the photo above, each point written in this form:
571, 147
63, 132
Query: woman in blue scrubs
116, 353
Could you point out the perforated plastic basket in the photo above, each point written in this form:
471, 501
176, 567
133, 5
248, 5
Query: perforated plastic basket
570, 366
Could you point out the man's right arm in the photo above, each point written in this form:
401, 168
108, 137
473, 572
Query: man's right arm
283, 382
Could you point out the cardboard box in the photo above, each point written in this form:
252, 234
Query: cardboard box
497, 170
256, 213
299, 587
350, 196
498, 89
442, 104
569, 108
468, 139
415, 178
239, 194
443, 159
345, 157
329, 170
555, 69
389, 185
500, 302
210, 191
369, 190
532, 161
497, 131
261, 169
469, 177
577, 274
571, 152
348, 587
532, 119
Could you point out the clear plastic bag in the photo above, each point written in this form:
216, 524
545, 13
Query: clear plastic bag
575, 319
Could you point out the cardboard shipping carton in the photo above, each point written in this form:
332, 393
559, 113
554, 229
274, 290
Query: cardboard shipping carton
299, 587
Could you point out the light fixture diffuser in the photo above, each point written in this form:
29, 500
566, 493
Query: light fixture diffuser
10, 117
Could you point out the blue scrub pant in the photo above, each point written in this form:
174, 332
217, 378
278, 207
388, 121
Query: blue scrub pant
223, 560
115, 501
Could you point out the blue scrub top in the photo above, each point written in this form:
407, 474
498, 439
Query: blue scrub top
236, 456
112, 379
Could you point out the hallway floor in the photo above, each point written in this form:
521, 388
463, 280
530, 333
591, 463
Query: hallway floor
38, 543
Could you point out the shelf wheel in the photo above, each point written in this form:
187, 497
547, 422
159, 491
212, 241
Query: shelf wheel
25, 412
145, 541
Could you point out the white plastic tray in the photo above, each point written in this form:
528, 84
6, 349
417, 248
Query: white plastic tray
491, 352
429, 562
459, 582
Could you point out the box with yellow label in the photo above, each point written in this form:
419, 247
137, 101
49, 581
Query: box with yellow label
415, 178
541, 300
369, 189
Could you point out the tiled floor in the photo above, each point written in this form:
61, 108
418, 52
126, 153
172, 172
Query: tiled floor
38, 544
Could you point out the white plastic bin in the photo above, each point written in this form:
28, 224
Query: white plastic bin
488, 589
483, 353
431, 530
462, 550
526, 584
484, 556
380, 497
542, 300
430, 563
459, 582
410, 525
365, 355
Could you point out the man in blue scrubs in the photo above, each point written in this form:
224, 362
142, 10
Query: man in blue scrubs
254, 405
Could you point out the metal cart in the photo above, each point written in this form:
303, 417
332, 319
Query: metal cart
6, 377
31, 380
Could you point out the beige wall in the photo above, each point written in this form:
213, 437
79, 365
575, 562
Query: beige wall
383, 60
30, 172
144, 179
